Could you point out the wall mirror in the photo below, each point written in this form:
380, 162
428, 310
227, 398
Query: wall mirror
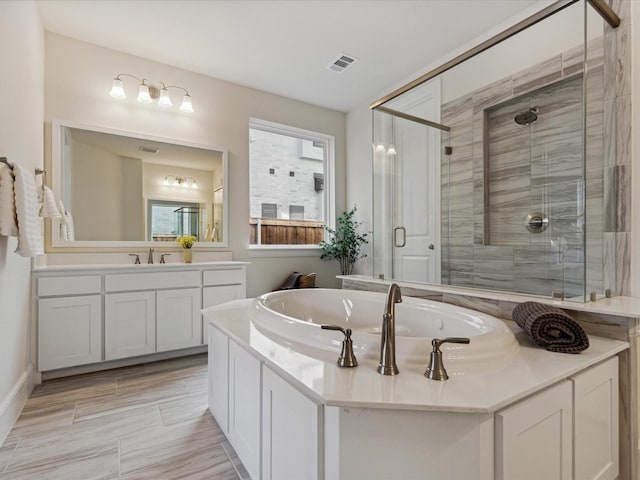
492, 172
120, 189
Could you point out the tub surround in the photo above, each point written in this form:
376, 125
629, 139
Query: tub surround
525, 415
616, 318
483, 388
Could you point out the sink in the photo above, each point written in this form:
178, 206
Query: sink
294, 317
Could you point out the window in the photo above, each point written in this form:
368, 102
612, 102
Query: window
290, 200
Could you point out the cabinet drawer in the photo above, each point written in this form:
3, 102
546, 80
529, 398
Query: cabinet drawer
48, 286
151, 281
223, 277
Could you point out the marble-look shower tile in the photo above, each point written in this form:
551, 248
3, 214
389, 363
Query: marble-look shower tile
609, 261
610, 198
623, 130
492, 94
538, 76
622, 9
595, 53
493, 259
623, 50
483, 305
493, 281
610, 133
623, 197
623, 263
610, 64
572, 61
457, 111
460, 279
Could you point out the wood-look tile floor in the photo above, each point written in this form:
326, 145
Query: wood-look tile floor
146, 422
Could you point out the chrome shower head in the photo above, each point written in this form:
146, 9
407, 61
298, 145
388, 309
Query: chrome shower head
527, 117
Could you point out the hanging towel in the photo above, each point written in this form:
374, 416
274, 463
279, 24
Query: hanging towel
48, 208
66, 224
8, 219
550, 327
26, 198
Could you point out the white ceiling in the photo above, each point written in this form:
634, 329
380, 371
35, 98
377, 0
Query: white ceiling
284, 46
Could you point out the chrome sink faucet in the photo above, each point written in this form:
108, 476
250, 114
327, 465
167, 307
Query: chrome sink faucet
387, 364
150, 259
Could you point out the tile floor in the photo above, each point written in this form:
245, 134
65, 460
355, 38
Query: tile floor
146, 422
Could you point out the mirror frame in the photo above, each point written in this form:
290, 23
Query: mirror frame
56, 167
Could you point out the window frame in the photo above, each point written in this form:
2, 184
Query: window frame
329, 185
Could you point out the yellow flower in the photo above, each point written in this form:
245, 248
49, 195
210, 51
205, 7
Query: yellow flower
186, 241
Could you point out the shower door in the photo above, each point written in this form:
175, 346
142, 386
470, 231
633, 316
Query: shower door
416, 191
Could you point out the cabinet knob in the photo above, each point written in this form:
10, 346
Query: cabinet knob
347, 358
435, 370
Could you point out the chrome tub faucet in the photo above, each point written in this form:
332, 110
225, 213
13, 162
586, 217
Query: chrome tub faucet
387, 364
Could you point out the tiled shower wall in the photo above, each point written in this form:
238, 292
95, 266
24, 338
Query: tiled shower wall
500, 171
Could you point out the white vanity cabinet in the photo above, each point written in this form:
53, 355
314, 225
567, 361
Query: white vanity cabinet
129, 324
219, 377
69, 321
88, 315
244, 407
569, 431
290, 431
178, 320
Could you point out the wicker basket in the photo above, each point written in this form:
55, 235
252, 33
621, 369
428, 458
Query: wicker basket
306, 281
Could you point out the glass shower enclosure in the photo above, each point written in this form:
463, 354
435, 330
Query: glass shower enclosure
493, 174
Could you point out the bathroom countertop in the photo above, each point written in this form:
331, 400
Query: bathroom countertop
482, 388
131, 267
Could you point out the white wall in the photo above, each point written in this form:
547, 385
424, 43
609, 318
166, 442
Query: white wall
22, 100
78, 79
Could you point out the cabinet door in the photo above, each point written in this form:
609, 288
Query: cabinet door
289, 431
534, 437
595, 433
212, 296
244, 407
129, 324
69, 331
178, 323
219, 377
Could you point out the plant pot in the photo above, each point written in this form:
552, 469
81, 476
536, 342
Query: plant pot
188, 255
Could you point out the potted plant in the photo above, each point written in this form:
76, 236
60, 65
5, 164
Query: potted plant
345, 243
186, 241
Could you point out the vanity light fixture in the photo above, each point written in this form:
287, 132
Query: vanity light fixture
148, 93
176, 181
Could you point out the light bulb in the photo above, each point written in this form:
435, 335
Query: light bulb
176, 182
380, 148
165, 182
143, 94
185, 184
117, 89
186, 106
194, 184
392, 149
165, 99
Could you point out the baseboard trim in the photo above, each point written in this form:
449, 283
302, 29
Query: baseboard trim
14, 401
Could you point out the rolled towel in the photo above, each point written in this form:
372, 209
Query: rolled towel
551, 328
8, 216
30, 241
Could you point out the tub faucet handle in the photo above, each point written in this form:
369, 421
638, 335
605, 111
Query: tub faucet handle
435, 370
347, 357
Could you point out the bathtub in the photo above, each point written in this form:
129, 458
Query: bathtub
294, 317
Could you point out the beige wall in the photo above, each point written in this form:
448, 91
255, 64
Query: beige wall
21, 97
78, 78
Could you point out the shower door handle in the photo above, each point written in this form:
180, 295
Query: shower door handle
395, 237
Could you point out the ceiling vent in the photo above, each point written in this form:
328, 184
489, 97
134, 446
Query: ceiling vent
342, 62
144, 149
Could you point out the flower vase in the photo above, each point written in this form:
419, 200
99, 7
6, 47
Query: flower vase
187, 255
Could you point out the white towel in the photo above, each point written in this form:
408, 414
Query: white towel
67, 232
29, 231
48, 208
8, 219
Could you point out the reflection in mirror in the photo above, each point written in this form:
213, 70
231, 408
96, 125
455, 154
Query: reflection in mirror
116, 187
514, 133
